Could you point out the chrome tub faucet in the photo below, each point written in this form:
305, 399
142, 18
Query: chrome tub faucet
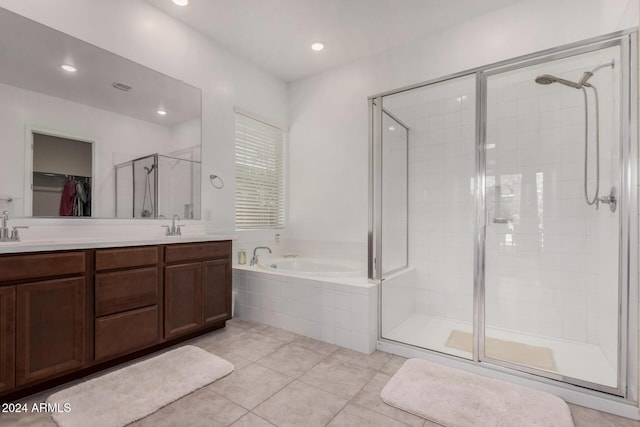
254, 260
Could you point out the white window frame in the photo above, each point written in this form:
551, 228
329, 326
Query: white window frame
283, 211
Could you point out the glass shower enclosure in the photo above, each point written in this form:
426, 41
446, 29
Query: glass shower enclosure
158, 186
503, 215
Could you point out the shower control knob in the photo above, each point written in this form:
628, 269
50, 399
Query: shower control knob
610, 200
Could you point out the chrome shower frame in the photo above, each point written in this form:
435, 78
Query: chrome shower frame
626, 392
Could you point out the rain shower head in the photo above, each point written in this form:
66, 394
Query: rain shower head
547, 79
149, 170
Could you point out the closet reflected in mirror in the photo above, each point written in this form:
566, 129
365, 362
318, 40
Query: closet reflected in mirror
62, 174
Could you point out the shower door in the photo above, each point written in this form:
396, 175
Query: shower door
426, 156
553, 281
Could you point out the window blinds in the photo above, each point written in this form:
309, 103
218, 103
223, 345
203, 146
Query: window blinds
260, 189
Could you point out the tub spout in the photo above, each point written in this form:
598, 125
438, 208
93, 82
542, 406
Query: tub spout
254, 260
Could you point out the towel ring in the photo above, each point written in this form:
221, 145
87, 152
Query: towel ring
216, 181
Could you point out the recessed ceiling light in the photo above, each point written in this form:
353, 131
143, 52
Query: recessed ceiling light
69, 68
317, 46
181, 2
392, 128
162, 112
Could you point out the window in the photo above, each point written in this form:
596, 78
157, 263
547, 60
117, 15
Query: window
260, 178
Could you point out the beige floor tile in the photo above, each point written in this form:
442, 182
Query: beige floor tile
292, 360
28, 419
250, 345
252, 420
300, 404
375, 360
238, 361
277, 333
317, 346
354, 415
244, 324
212, 342
218, 334
338, 378
203, 407
369, 397
250, 386
585, 417
392, 366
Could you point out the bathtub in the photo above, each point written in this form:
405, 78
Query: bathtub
329, 300
312, 267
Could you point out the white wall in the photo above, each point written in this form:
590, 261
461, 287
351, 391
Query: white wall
328, 111
138, 31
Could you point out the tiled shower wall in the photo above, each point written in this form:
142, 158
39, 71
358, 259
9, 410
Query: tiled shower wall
552, 268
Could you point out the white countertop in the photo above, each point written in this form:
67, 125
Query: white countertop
61, 244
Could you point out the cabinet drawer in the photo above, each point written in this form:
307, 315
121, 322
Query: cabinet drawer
197, 251
126, 332
17, 267
126, 290
109, 259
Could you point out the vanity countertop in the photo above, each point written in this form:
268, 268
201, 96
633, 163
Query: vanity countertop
102, 242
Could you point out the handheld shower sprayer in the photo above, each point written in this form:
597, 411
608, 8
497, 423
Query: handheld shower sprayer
546, 79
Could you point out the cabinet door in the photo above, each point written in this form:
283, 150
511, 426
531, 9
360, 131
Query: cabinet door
7, 337
50, 325
216, 291
182, 299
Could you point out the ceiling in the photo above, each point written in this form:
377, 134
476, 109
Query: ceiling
277, 34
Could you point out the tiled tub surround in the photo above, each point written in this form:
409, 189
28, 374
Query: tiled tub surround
340, 311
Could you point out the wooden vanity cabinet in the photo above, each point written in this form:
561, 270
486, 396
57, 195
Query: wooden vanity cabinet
216, 291
127, 300
197, 286
7, 337
43, 302
50, 327
69, 312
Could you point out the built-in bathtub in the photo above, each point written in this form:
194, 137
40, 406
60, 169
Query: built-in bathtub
329, 300
313, 267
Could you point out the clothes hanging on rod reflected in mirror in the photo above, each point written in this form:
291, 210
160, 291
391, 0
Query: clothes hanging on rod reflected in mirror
76, 196
70, 193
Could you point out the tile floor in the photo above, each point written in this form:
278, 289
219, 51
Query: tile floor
284, 379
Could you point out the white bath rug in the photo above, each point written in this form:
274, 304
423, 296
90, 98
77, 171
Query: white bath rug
455, 398
131, 393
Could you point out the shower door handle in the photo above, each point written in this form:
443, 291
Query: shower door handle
500, 220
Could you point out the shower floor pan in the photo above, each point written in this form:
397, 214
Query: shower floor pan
573, 359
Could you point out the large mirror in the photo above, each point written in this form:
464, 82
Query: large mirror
87, 133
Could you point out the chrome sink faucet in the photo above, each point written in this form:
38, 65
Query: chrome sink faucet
254, 260
4, 231
173, 229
